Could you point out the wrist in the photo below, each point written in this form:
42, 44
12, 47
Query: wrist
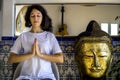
41, 55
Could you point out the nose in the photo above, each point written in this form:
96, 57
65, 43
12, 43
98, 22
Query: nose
95, 60
35, 18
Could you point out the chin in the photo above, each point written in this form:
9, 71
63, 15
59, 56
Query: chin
94, 77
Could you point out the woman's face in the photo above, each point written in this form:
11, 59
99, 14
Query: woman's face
95, 58
36, 18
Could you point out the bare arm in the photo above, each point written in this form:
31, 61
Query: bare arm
58, 57
15, 58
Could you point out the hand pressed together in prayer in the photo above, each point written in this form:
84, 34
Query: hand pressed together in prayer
36, 48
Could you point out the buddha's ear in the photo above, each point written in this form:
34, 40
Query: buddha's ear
111, 58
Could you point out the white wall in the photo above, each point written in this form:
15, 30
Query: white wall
79, 19
8, 18
0, 22
1, 17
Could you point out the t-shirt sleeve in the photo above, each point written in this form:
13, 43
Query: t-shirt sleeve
55, 45
17, 46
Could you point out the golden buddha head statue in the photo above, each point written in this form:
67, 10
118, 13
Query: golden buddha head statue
93, 52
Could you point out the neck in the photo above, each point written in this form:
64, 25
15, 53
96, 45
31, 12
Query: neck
36, 30
91, 78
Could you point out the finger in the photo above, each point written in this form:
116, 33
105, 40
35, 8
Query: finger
33, 49
35, 40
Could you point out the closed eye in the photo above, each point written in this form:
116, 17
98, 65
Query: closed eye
38, 16
87, 55
33, 16
103, 56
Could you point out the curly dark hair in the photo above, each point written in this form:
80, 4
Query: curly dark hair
46, 24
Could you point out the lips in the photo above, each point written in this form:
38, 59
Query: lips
95, 69
35, 21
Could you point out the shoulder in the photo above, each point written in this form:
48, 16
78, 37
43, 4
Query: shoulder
23, 35
49, 34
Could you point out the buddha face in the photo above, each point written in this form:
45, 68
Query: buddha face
95, 59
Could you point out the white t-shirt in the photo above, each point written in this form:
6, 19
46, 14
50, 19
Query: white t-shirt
35, 67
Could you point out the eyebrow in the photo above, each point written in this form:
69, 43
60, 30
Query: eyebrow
33, 13
103, 54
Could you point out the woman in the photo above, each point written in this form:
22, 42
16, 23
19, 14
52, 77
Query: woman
39, 45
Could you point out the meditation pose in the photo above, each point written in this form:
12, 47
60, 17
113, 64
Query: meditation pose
40, 47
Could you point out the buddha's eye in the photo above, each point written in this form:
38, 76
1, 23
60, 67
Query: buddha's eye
102, 56
88, 56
